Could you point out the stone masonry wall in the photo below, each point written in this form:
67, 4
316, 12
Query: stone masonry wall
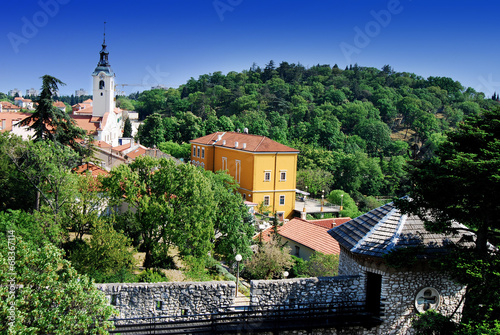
399, 290
169, 299
305, 290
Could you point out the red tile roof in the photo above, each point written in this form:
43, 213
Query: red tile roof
139, 151
59, 104
102, 144
330, 223
94, 169
122, 147
253, 143
84, 122
306, 233
9, 105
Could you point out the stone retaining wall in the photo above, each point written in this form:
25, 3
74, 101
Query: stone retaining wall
134, 300
305, 290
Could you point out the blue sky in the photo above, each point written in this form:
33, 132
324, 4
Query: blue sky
168, 41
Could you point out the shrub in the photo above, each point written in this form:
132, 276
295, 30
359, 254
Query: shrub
152, 276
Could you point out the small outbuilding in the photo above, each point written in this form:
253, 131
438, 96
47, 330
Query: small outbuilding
397, 295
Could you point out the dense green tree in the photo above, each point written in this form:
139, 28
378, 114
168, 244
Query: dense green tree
107, 253
53, 298
50, 123
124, 103
343, 199
171, 205
88, 204
127, 128
314, 181
467, 167
190, 127
30, 228
15, 192
233, 223
149, 102
47, 169
151, 132
181, 151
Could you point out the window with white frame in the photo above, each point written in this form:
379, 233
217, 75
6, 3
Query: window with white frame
202, 153
237, 173
282, 199
194, 151
224, 163
198, 155
267, 175
266, 200
283, 175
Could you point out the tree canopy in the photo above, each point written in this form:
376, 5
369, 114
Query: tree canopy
461, 184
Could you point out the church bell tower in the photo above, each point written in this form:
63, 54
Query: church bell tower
103, 84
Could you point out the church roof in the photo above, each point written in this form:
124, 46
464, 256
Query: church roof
253, 143
383, 229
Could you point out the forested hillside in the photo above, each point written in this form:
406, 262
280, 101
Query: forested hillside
355, 127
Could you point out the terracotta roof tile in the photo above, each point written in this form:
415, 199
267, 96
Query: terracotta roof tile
102, 144
139, 151
85, 122
252, 143
9, 105
122, 147
305, 233
330, 223
94, 169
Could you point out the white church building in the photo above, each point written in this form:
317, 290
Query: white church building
102, 119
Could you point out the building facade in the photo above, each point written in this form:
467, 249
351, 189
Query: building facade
264, 169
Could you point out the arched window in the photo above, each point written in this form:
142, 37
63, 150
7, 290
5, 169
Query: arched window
101, 85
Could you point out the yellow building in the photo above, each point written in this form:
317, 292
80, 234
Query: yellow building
265, 169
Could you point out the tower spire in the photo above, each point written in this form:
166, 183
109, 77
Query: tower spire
103, 60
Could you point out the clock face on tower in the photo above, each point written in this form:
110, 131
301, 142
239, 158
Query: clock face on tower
101, 76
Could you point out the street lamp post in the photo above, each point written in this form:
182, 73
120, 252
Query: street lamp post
238, 259
285, 274
342, 201
322, 201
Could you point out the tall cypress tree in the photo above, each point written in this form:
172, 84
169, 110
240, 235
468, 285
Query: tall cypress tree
127, 128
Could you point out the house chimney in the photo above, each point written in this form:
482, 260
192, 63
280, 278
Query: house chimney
235, 144
224, 142
219, 137
244, 145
